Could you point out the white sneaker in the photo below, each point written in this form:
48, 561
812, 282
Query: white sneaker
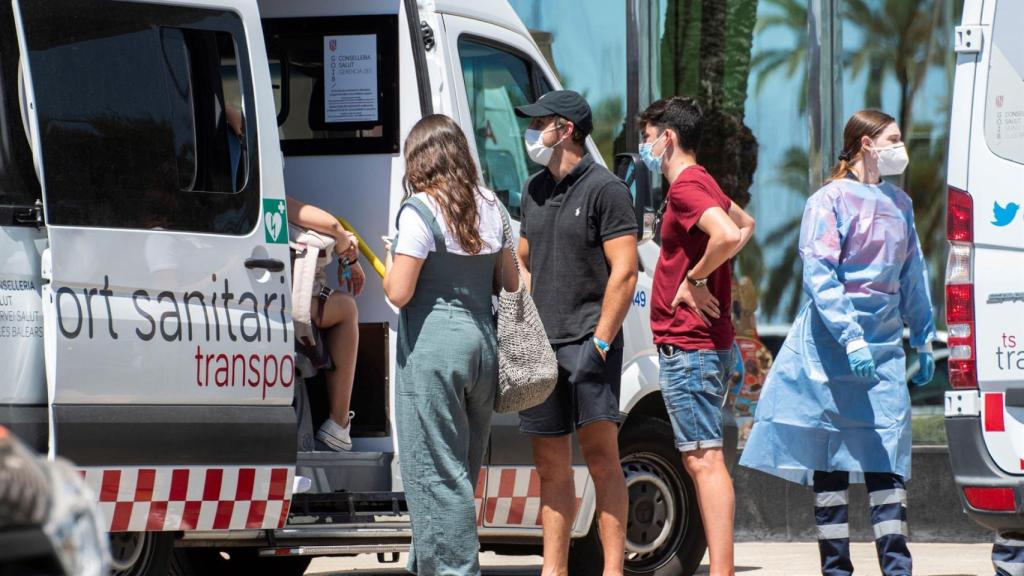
335, 436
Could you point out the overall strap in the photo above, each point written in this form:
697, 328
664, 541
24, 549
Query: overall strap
429, 218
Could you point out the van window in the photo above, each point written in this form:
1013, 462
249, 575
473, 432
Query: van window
1004, 111
18, 183
335, 83
496, 82
142, 113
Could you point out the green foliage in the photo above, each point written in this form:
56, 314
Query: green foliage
929, 430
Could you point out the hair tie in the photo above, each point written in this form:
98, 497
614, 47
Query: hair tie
844, 157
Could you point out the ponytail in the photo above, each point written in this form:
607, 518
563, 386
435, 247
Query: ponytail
868, 123
841, 169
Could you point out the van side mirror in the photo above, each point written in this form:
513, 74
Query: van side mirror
637, 178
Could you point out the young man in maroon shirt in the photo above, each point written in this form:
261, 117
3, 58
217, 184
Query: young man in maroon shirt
700, 232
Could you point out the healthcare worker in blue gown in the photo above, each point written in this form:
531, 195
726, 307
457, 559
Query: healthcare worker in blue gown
835, 408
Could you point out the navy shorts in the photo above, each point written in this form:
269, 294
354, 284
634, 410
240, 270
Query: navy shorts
693, 384
587, 392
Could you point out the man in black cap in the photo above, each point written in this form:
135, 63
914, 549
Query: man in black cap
578, 248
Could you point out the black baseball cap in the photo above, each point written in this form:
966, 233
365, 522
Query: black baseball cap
565, 103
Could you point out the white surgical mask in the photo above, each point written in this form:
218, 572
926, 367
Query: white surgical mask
536, 149
892, 160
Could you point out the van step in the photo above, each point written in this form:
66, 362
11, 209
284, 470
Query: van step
328, 550
346, 507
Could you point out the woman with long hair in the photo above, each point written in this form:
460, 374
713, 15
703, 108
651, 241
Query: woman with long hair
442, 269
835, 408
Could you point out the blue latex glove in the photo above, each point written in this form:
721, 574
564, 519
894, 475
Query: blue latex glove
862, 364
927, 371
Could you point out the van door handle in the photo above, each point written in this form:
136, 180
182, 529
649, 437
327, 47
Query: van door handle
272, 264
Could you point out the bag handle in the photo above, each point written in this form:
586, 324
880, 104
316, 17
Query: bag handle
507, 229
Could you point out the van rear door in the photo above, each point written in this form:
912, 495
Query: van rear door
995, 181
168, 338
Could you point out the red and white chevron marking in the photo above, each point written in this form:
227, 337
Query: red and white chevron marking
510, 496
1004, 433
192, 498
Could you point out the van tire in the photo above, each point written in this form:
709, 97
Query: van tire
651, 464
240, 562
154, 557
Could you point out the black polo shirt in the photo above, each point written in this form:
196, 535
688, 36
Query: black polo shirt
566, 224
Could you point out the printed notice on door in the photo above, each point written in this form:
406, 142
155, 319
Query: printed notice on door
350, 79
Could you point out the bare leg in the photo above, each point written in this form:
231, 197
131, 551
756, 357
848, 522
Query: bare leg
600, 444
340, 325
717, 505
553, 458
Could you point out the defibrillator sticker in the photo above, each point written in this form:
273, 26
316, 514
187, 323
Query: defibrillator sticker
275, 222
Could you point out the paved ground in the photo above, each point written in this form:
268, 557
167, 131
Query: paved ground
752, 559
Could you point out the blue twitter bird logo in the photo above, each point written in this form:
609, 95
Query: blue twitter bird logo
1004, 216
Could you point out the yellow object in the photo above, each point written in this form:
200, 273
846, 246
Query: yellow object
364, 248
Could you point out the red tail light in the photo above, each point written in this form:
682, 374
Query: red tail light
963, 364
992, 499
959, 216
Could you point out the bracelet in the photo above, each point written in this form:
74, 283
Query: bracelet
601, 344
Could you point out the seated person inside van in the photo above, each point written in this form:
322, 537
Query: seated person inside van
338, 321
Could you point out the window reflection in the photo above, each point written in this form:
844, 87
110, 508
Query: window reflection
496, 83
585, 44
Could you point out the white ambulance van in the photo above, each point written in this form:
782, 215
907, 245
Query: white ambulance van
985, 272
145, 314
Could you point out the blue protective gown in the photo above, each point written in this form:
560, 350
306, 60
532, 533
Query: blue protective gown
865, 275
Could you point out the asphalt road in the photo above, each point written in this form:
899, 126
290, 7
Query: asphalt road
752, 559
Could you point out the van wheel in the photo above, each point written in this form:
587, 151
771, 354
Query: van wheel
235, 562
140, 553
664, 531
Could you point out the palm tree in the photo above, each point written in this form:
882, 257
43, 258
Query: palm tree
784, 280
901, 39
790, 15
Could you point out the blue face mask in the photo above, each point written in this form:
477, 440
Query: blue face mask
652, 162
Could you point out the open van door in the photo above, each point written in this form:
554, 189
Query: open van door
168, 339
23, 389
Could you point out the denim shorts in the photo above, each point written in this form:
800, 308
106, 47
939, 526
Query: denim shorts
587, 392
693, 384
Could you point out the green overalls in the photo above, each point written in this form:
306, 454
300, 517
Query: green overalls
446, 378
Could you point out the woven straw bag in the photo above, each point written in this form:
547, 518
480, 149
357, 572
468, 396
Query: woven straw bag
527, 369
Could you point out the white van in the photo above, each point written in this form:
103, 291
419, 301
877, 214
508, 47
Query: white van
145, 308
985, 272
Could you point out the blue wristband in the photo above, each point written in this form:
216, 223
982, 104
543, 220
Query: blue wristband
601, 344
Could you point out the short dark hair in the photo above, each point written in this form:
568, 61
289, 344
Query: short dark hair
679, 113
578, 136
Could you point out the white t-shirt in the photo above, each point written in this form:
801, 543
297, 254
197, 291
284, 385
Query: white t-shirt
416, 239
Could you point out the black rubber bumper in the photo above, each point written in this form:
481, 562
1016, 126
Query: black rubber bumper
175, 435
972, 466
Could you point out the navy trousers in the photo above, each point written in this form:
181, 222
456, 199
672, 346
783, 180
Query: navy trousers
887, 497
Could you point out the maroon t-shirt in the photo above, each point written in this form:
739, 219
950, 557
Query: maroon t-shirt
682, 245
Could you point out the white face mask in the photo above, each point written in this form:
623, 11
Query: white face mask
535, 147
892, 160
